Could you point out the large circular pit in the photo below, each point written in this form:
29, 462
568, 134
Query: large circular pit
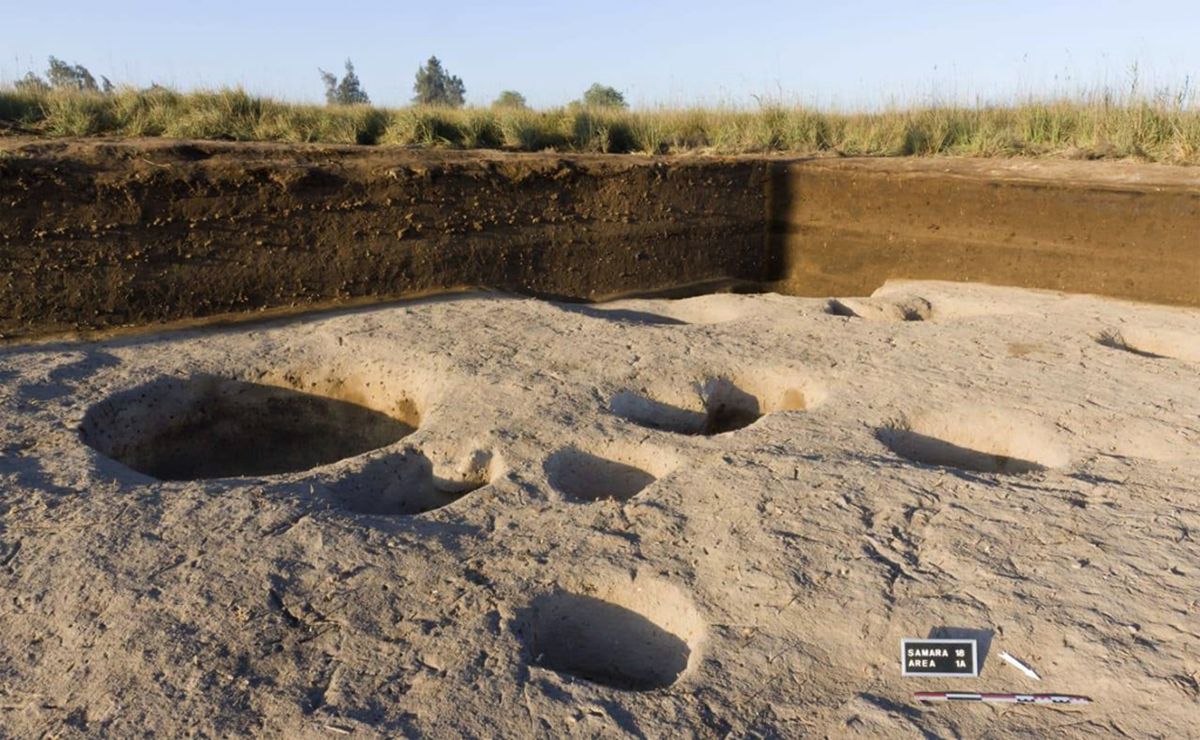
206, 426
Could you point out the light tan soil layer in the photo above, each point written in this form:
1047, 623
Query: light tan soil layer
99, 234
1116, 229
709, 517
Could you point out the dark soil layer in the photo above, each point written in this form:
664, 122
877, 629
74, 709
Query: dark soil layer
101, 234
97, 234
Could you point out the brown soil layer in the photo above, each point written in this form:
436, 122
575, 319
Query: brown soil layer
97, 234
101, 234
1118, 229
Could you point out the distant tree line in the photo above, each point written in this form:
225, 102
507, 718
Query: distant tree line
63, 76
433, 85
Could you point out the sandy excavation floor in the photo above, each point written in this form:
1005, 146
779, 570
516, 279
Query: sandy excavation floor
706, 517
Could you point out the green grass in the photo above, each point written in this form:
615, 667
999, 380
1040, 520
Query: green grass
1163, 128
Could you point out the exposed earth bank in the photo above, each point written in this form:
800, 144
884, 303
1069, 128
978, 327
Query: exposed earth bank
98, 234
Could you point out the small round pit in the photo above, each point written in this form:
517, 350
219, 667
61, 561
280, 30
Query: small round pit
582, 476
718, 404
637, 635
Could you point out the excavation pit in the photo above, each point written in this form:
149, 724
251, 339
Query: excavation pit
720, 405
985, 442
1154, 343
405, 484
204, 427
626, 635
912, 308
582, 476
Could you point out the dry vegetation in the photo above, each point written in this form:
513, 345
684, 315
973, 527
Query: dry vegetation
1160, 128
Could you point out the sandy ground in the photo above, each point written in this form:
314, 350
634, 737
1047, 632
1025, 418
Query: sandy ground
590, 531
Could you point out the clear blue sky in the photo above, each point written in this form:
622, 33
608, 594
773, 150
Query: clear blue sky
849, 55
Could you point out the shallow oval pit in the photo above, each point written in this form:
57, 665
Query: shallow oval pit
621, 315
206, 426
406, 483
620, 475
715, 308
911, 308
1154, 343
718, 404
987, 441
636, 635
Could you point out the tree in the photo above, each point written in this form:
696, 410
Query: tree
63, 76
70, 77
31, 83
603, 96
347, 91
436, 86
510, 99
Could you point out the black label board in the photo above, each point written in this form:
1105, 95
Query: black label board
938, 657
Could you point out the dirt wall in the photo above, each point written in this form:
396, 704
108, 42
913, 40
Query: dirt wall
100, 234
96, 234
843, 227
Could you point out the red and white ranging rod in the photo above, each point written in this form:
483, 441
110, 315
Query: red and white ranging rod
1001, 698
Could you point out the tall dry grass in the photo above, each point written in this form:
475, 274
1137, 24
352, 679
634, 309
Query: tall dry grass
1162, 128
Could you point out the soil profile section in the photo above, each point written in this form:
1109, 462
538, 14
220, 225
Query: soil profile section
96, 234
1125, 230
